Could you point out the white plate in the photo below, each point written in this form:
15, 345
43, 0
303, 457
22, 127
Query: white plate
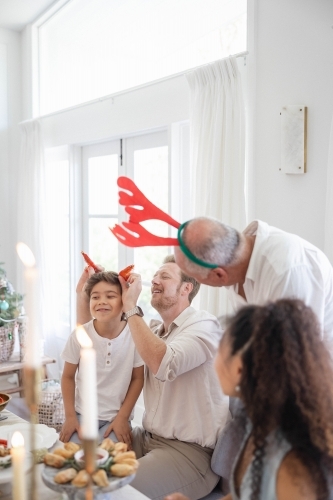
7, 474
45, 436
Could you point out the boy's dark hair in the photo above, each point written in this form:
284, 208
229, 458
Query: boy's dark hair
108, 276
184, 278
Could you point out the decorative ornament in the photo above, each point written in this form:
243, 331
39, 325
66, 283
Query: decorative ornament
3, 283
4, 305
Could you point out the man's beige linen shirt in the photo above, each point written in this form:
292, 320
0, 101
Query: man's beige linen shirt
184, 400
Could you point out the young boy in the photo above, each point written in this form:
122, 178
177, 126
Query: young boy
120, 370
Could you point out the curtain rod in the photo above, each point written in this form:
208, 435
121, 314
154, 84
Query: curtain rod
126, 91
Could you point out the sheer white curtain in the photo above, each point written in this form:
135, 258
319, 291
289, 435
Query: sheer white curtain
31, 222
329, 202
217, 154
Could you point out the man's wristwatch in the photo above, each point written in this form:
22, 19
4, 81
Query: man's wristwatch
136, 310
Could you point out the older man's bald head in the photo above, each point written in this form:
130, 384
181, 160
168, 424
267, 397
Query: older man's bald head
209, 240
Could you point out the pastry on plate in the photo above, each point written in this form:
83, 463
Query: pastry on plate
81, 479
122, 470
54, 460
100, 478
65, 476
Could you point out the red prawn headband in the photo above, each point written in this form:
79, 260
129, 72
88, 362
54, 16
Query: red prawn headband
132, 234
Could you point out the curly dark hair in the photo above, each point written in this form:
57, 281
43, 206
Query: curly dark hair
287, 383
108, 276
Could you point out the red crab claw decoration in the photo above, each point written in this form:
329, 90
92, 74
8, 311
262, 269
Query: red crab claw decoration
141, 237
137, 198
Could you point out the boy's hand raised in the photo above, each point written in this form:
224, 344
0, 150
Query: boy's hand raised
131, 290
87, 272
82, 300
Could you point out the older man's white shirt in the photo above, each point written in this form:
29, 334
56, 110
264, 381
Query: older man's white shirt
283, 265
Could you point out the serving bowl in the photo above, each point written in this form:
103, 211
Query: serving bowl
4, 400
101, 457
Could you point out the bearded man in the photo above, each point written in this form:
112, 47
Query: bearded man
184, 407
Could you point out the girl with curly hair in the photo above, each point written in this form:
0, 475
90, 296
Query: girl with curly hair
273, 359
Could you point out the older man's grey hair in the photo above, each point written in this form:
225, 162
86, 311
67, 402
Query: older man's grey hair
211, 241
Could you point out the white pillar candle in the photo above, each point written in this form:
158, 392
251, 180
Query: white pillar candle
18, 456
87, 367
32, 353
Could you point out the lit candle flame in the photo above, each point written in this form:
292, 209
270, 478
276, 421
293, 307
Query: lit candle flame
25, 254
17, 440
83, 338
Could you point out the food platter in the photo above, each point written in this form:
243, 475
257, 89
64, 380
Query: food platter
114, 483
45, 436
7, 474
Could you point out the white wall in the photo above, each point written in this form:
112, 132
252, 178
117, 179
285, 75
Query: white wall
294, 50
10, 115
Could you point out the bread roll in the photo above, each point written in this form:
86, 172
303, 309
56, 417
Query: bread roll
119, 448
81, 479
100, 478
122, 456
72, 447
63, 453
121, 470
54, 460
65, 476
107, 444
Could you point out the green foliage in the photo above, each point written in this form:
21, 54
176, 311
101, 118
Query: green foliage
12, 298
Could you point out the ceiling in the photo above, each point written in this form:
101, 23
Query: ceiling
15, 14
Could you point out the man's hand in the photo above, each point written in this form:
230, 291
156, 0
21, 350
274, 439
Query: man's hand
131, 290
70, 426
122, 430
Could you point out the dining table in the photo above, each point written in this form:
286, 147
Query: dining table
43, 492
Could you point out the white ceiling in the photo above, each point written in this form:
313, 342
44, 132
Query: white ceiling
15, 14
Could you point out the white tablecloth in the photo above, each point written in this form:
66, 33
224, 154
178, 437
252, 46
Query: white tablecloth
44, 493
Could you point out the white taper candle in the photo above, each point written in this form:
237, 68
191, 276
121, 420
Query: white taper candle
87, 367
32, 353
18, 456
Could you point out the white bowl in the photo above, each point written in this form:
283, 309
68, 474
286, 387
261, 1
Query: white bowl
101, 456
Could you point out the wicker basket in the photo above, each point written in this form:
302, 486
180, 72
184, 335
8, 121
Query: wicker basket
7, 340
51, 406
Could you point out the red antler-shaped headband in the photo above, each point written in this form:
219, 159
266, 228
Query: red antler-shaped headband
141, 237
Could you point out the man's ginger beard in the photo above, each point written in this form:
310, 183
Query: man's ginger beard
165, 303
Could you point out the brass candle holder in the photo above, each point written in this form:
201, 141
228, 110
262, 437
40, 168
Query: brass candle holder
32, 379
89, 447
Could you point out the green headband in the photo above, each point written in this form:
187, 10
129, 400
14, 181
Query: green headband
188, 253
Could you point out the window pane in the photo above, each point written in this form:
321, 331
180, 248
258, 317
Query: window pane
151, 175
91, 49
102, 185
103, 246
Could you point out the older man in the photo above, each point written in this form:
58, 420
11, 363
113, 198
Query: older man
184, 407
262, 263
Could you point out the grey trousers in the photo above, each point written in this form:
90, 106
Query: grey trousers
168, 466
102, 426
